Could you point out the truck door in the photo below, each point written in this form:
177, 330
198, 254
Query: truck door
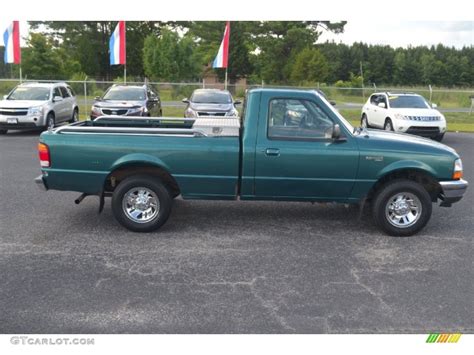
296, 157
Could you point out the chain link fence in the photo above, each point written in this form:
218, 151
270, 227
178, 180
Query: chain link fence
172, 93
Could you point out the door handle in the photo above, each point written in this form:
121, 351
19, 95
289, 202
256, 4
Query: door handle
272, 152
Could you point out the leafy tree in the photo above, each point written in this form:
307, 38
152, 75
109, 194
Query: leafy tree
42, 60
310, 66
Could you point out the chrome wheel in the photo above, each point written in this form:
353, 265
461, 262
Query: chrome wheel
364, 122
403, 209
141, 205
50, 122
75, 116
388, 126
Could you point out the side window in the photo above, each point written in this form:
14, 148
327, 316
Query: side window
56, 92
383, 99
374, 99
64, 92
297, 119
71, 91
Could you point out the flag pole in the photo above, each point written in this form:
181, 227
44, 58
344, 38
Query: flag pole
225, 84
21, 76
125, 73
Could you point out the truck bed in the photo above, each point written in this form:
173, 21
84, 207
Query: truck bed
201, 154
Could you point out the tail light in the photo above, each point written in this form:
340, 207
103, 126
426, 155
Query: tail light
44, 157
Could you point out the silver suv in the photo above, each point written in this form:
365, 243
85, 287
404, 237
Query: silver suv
38, 106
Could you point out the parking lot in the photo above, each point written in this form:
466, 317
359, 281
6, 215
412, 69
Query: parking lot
225, 267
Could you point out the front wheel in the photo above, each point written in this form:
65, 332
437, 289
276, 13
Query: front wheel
49, 121
388, 126
141, 203
402, 208
439, 137
75, 116
364, 122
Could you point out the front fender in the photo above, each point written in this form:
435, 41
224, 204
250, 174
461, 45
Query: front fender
404, 165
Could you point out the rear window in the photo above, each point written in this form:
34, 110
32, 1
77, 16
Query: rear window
211, 97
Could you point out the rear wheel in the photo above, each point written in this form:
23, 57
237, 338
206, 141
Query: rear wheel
401, 207
141, 203
388, 126
75, 116
439, 137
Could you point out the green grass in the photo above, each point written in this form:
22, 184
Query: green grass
457, 121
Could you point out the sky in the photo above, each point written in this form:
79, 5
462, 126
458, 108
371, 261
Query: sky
399, 33
405, 33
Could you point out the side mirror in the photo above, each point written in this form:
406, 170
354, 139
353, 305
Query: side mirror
185, 100
237, 102
382, 105
97, 98
333, 103
5, 97
336, 132
57, 99
433, 105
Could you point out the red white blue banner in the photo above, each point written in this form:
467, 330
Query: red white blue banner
11, 39
117, 45
222, 58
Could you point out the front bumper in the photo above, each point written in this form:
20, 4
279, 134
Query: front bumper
41, 183
452, 191
21, 122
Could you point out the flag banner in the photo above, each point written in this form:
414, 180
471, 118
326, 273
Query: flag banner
11, 39
222, 57
117, 45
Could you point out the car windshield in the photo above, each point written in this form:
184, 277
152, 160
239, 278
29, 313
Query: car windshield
125, 94
407, 101
30, 93
211, 97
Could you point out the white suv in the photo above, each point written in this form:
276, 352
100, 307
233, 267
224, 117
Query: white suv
406, 113
38, 106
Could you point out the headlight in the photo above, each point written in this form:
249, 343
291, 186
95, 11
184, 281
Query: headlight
401, 117
233, 112
457, 173
95, 110
137, 110
190, 113
35, 110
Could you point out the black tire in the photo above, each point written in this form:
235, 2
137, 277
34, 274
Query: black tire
364, 122
50, 121
75, 116
383, 199
161, 193
388, 125
161, 113
439, 137
3, 131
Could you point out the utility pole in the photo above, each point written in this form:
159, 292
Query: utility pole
362, 76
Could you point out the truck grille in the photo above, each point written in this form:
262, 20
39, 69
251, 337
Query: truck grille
114, 112
220, 114
13, 111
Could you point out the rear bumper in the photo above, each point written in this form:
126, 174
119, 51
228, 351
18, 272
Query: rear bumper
452, 191
41, 183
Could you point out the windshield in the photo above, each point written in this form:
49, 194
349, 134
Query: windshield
125, 94
408, 101
30, 93
211, 97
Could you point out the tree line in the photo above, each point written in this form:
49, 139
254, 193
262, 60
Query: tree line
275, 52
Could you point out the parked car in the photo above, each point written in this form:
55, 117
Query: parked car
210, 102
127, 100
404, 112
38, 106
316, 155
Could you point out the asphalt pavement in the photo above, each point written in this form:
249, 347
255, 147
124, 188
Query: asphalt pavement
225, 267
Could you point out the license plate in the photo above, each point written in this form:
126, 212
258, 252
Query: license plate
12, 120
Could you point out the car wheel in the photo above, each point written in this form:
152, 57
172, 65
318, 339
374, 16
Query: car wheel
49, 121
439, 137
141, 203
364, 122
401, 207
3, 131
388, 126
161, 113
75, 116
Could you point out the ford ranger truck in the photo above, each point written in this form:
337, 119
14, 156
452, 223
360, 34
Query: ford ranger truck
289, 145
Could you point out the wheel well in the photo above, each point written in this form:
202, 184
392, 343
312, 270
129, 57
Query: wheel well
76, 108
430, 184
123, 172
51, 112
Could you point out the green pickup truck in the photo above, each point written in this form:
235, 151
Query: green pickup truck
289, 145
